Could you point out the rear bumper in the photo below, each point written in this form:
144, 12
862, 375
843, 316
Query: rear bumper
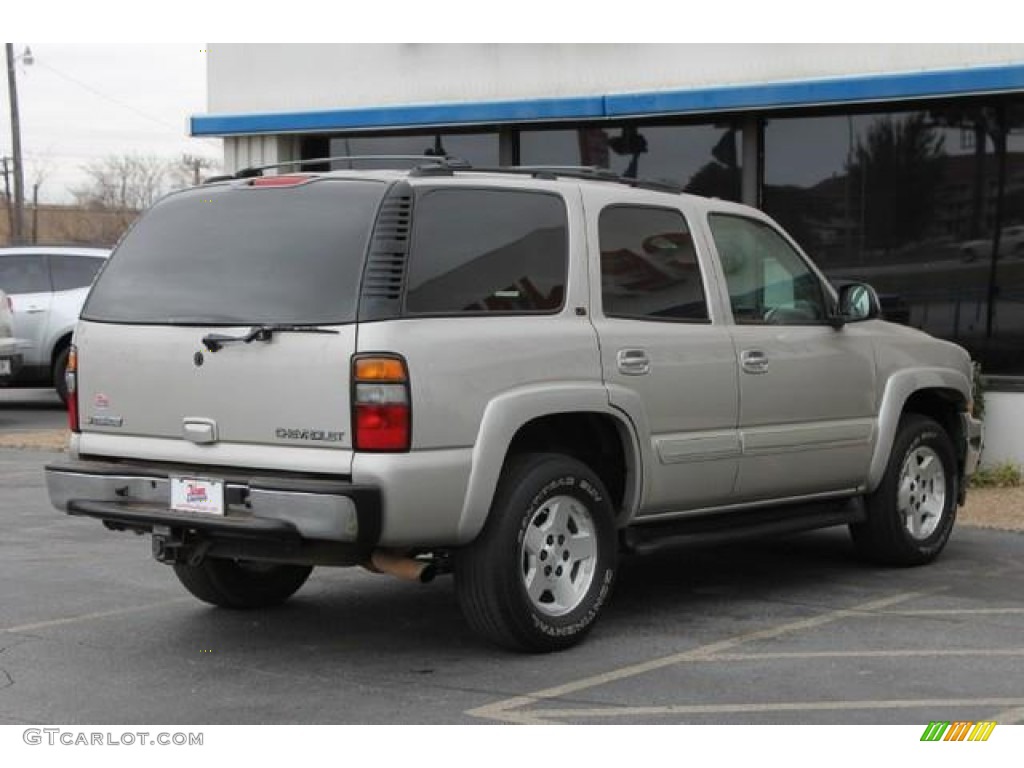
275, 508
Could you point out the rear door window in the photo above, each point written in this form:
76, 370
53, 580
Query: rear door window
649, 266
487, 251
24, 273
233, 254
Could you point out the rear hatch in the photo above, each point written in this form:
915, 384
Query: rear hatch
221, 330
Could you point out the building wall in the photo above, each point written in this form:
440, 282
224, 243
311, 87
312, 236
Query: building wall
284, 78
1004, 436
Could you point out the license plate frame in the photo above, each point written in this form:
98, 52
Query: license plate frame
200, 495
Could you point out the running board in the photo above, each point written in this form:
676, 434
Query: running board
722, 527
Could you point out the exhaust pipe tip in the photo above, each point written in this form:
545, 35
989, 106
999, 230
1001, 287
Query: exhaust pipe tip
401, 566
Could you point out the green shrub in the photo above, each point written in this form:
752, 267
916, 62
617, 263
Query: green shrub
1003, 475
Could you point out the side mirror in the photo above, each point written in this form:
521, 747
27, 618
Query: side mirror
858, 301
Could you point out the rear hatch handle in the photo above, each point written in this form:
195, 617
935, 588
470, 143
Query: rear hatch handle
214, 341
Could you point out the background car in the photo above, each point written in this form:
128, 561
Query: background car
9, 356
1010, 243
47, 287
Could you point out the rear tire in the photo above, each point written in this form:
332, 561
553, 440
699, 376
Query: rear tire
538, 575
911, 514
241, 584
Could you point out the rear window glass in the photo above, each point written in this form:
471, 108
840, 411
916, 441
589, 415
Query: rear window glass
487, 251
227, 255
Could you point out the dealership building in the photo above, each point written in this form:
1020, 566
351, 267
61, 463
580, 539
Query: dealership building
899, 165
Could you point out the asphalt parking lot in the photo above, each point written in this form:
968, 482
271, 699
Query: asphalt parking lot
789, 631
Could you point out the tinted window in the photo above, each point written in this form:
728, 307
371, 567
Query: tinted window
769, 283
649, 266
70, 272
474, 148
705, 159
24, 274
911, 202
477, 250
236, 255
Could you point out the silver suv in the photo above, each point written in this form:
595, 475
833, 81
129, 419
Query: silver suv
47, 286
514, 374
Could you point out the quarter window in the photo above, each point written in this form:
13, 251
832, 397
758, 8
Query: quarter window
769, 283
487, 251
649, 267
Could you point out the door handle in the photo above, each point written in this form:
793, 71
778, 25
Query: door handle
633, 362
754, 361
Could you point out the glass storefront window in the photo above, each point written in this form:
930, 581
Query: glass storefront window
909, 201
475, 148
705, 159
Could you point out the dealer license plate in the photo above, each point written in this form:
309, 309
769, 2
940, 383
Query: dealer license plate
194, 494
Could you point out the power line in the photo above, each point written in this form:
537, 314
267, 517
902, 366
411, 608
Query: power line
112, 99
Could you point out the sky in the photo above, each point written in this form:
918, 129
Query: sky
82, 103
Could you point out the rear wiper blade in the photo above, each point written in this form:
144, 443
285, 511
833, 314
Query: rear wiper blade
214, 341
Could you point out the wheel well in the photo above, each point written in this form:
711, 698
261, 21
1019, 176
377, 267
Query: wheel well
62, 343
944, 406
592, 438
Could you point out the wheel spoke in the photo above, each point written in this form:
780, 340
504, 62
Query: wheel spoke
533, 541
582, 547
536, 585
566, 593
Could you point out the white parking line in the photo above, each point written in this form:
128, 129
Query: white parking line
511, 710
895, 653
953, 612
92, 616
785, 706
1010, 716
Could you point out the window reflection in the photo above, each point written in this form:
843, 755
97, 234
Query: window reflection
704, 159
475, 148
911, 202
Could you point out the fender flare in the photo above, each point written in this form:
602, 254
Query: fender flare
898, 389
506, 414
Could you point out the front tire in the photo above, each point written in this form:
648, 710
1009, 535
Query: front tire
911, 514
540, 572
241, 584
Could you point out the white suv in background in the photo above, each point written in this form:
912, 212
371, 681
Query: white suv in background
9, 357
47, 286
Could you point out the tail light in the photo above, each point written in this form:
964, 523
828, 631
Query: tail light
381, 406
71, 381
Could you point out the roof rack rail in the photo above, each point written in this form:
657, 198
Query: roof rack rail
447, 165
257, 170
587, 172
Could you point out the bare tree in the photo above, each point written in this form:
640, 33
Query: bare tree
123, 183
188, 170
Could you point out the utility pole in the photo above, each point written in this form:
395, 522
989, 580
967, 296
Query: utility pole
19, 179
